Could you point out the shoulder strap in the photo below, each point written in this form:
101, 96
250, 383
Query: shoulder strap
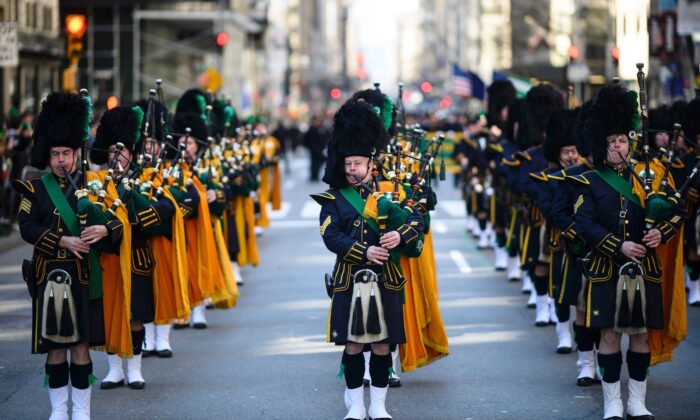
619, 184
61, 203
355, 200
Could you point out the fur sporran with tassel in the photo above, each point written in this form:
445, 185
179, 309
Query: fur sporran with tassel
366, 324
59, 322
630, 305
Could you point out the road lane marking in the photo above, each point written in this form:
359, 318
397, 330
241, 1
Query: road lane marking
11, 269
454, 208
460, 261
281, 213
439, 227
310, 210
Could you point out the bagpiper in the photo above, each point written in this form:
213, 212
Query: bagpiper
621, 218
366, 284
64, 275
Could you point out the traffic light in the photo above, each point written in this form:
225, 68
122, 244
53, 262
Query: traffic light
615, 54
573, 53
76, 25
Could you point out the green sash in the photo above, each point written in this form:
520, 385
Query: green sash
619, 184
356, 200
71, 221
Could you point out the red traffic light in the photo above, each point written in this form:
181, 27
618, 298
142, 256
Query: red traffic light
573, 52
76, 25
112, 102
221, 39
615, 52
336, 93
426, 87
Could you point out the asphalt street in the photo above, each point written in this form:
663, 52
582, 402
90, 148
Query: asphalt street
267, 357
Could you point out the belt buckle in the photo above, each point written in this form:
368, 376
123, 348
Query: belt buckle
62, 253
623, 214
365, 276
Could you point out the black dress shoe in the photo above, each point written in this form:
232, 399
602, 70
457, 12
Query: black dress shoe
200, 325
394, 383
541, 324
137, 385
645, 417
111, 385
148, 353
210, 306
564, 350
165, 353
365, 382
585, 381
514, 279
177, 326
531, 306
500, 269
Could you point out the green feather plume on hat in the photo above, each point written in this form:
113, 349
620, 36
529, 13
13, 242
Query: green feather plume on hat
202, 104
387, 110
88, 118
139, 120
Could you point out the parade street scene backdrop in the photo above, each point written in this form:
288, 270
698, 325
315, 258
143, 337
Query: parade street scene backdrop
349, 209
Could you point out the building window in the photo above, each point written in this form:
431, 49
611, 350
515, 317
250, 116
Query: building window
48, 19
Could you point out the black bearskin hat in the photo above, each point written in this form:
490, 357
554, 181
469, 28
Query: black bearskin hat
192, 121
155, 129
64, 121
659, 118
223, 113
194, 101
540, 102
118, 125
677, 113
514, 111
501, 94
357, 131
560, 131
614, 111
691, 125
387, 112
582, 145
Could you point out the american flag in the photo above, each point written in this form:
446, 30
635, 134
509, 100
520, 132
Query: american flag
461, 82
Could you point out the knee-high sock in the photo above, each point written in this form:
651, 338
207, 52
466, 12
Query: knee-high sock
610, 366
638, 365
584, 337
57, 375
379, 369
137, 340
563, 312
694, 269
354, 368
80, 375
541, 284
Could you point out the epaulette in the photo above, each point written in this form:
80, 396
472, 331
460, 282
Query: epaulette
495, 147
523, 154
471, 143
539, 176
511, 163
321, 198
578, 179
26, 188
557, 175
677, 163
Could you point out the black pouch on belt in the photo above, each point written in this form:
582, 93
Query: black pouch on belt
329, 285
28, 276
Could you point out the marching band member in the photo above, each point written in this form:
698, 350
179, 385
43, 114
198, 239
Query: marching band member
64, 276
